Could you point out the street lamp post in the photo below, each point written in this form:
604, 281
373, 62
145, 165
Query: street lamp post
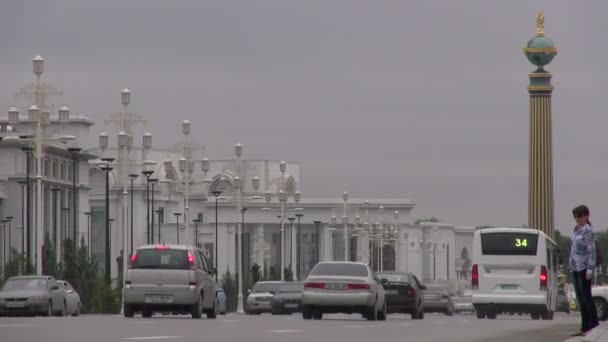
153, 182
107, 168
147, 174
196, 222
318, 224
159, 212
66, 217
23, 219
177, 215
291, 219
55, 239
132, 177
75, 151
216, 193
88, 214
345, 229
298, 245
3, 222
28, 214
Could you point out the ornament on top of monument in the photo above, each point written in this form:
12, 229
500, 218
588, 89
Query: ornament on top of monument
540, 50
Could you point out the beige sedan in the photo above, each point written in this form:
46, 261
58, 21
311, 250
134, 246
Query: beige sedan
343, 287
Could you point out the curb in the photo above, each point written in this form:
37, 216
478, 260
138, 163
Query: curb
598, 334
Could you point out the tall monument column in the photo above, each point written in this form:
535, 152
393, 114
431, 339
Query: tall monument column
540, 50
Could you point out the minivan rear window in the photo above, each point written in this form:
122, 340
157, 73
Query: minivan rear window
340, 269
170, 259
509, 243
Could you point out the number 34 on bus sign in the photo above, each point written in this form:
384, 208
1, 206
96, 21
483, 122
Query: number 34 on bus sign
521, 242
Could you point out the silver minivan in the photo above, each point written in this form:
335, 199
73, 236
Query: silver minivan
169, 278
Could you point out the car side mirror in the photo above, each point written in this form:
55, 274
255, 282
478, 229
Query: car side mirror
248, 291
213, 271
384, 282
54, 287
423, 287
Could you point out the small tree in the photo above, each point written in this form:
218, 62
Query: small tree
14, 265
230, 285
255, 274
85, 271
288, 274
105, 299
50, 266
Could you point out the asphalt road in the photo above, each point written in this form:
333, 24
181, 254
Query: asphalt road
267, 328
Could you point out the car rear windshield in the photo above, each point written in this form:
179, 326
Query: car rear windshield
25, 284
291, 288
171, 259
265, 287
509, 243
396, 277
340, 269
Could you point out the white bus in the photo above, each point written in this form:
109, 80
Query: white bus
515, 270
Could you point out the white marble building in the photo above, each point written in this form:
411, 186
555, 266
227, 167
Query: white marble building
430, 250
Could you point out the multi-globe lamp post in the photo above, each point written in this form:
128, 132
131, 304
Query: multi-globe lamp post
39, 117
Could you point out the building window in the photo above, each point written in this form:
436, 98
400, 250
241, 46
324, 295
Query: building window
69, 166
62, 171
199, 216
161, 216
54, 170
46, 167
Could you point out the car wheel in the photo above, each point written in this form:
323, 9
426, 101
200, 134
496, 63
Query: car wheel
213, 312
127, 310
147, 313
307, 312
372, 313
535, 315
61, 312
76, 312
547, 315
382, 313
197, 308
480, 314
601, 306
49, 309
491, 315
317, 315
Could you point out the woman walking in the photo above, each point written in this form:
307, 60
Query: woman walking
582, 265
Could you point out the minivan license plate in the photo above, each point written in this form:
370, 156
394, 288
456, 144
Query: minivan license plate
331, 286
159, 299
508, 287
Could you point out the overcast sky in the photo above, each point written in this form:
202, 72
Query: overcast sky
419, 99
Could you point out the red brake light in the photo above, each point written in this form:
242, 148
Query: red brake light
411, 292
445, 296
475, 277
191, 261
357, 286
162, 247
133, 258
313, 285
543, 277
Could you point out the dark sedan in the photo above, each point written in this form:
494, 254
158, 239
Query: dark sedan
403, 293
288, 299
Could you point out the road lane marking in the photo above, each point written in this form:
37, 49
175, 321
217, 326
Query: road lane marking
284, 331
143, 322
143, 338
15, 325
406, 324
230, 320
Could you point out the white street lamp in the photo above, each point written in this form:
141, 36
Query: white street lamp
103, 141
38, 66
125, 97
345, 223
64, 115
13, 116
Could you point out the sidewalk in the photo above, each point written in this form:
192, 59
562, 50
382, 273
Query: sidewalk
599, 334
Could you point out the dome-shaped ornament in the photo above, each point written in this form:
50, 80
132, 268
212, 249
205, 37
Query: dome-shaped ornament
540, 50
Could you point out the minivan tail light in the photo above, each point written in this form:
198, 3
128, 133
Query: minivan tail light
475, 277
411, 292
543, 277
191, 261
133, 258
357, 286
314, 285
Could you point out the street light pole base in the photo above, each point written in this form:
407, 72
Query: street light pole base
239, 309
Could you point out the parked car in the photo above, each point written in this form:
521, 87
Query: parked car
600, 298
170, 278
72, 298
288, 299
563, 305
220, 297
259, 298
343, 287
403, 293
32, 295
437, 298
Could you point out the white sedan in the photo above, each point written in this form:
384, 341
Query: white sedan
72, 298
600, 298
